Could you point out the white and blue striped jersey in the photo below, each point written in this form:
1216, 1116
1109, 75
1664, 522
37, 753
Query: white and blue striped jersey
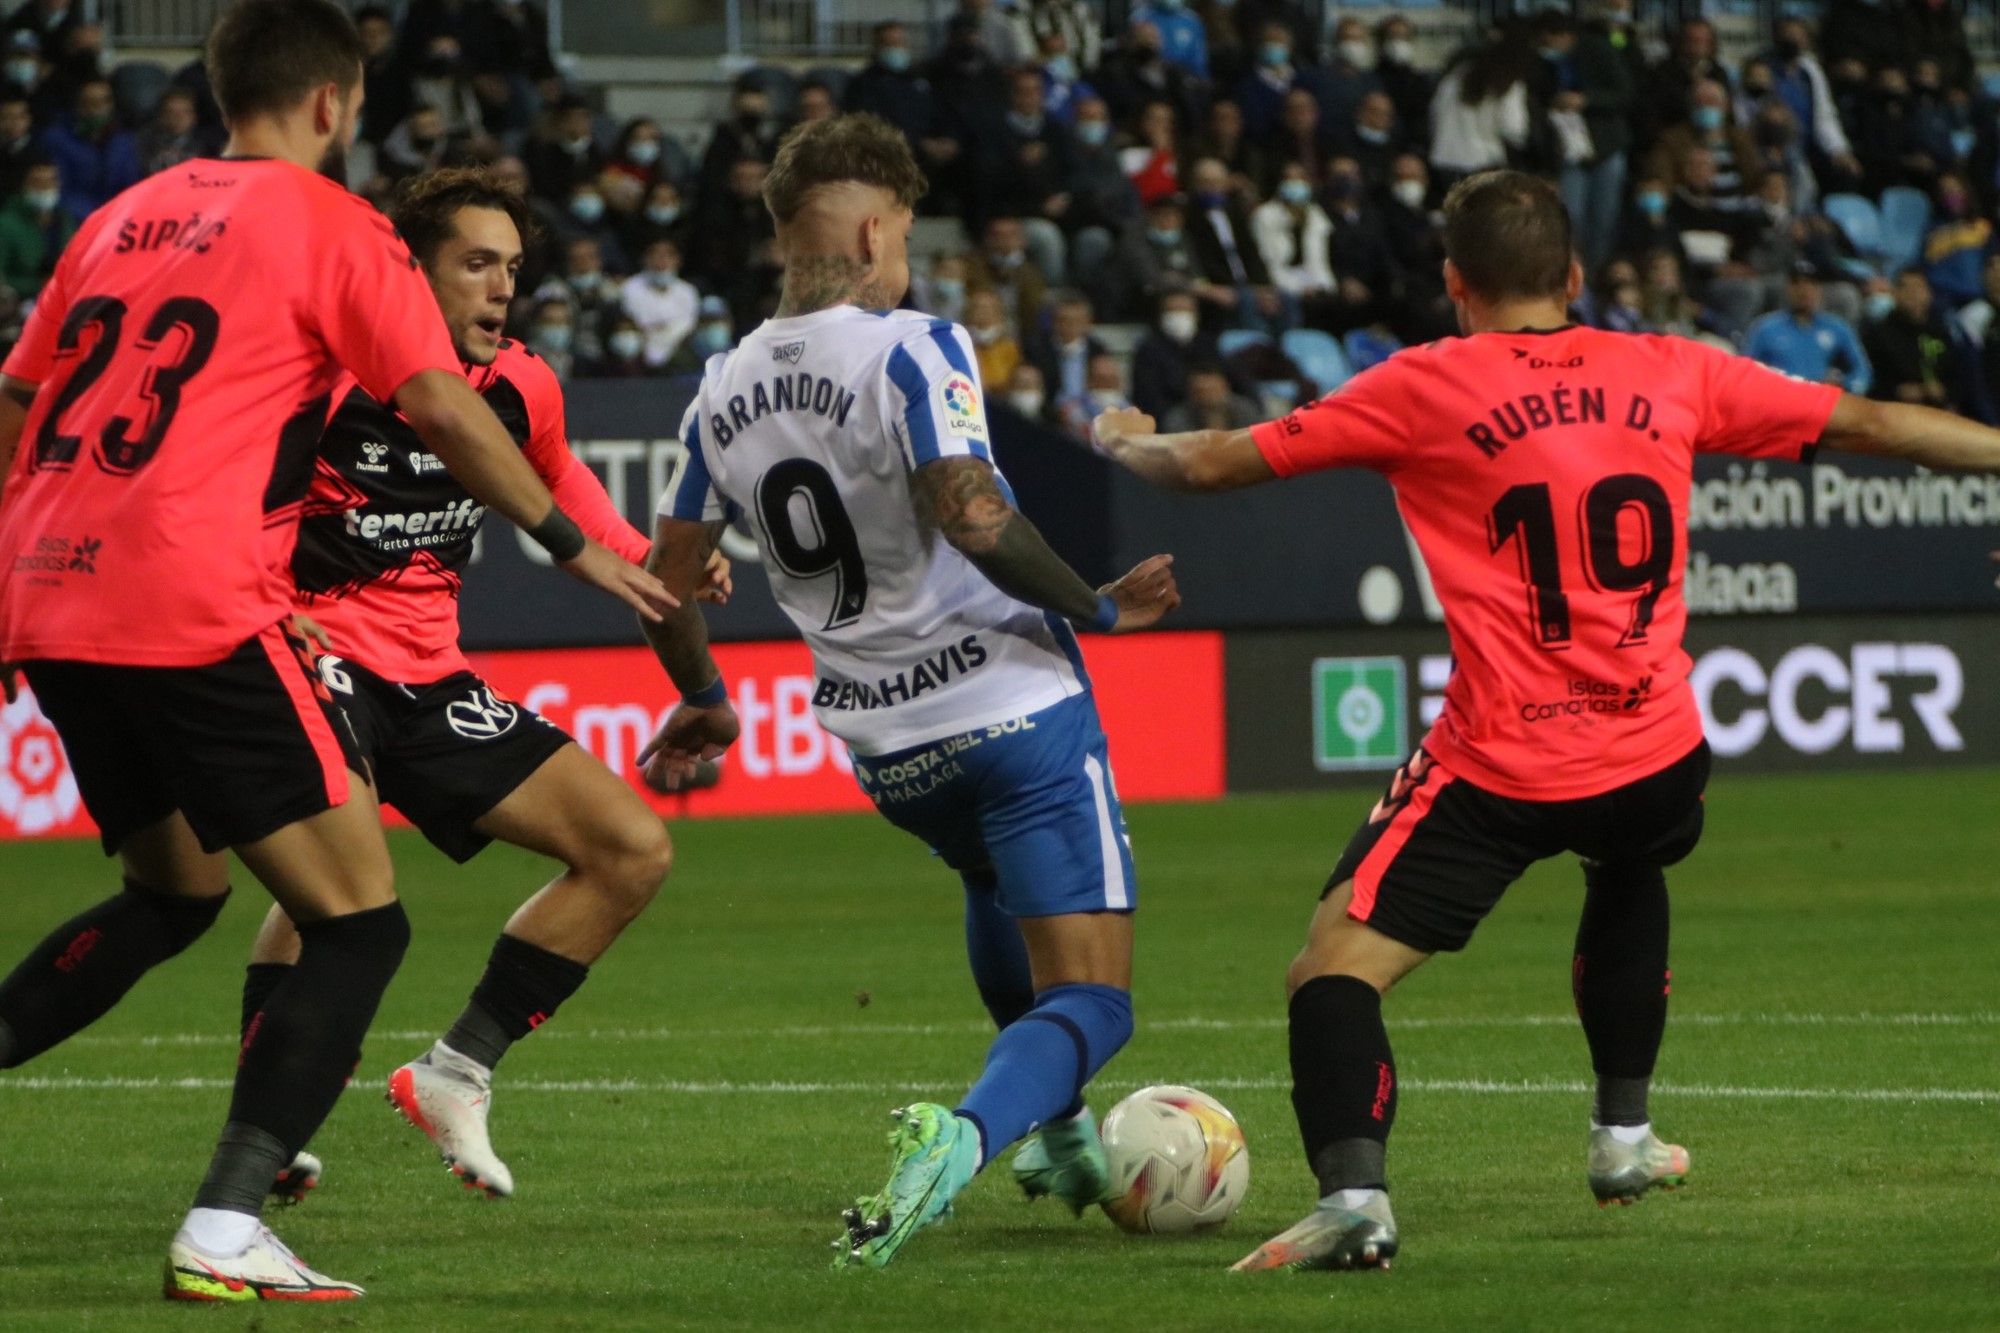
811, 428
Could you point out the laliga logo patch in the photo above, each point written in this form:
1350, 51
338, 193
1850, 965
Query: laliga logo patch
959, 398
481, 715
37, 790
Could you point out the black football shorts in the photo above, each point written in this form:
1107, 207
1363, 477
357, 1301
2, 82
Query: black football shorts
444, 753
1437, 852
241, 747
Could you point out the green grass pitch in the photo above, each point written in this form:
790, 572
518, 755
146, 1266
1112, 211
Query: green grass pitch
685, 1133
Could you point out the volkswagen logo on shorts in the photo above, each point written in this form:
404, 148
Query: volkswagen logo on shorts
481, 715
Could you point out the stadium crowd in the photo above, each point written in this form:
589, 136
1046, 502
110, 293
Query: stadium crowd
1261, 201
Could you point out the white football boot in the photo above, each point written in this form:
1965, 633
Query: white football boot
264, 1270
447, 1095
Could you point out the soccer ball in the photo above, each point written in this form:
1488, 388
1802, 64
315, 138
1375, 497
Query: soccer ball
1178, 1161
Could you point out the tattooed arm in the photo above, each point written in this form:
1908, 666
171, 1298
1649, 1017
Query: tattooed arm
959, 497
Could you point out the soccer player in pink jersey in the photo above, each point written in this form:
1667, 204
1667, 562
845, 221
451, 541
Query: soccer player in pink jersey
161, 414
1544, 470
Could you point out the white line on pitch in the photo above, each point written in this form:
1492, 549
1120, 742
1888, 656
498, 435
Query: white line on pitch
689, 1087
864, 1029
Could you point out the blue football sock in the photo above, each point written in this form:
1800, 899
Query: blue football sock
1039, 1064
998, 955
999, 958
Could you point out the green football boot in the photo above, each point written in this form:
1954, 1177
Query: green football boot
1065, 1160
933, 1154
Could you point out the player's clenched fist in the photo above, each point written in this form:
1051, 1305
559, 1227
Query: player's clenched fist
1146, 594
1119, 423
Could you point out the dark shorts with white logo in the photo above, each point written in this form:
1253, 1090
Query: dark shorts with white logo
1437, 852
241, 747
444, 753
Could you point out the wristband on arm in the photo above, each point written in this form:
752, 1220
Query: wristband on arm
1105, 619
712, 695
559, 535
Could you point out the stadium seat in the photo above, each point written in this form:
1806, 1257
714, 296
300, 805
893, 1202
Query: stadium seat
1233, 341
1906, 220
1319, 356
136, 87
1859, 218
1366, 347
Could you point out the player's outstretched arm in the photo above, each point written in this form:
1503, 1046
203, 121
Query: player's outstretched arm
960, 497
1925, 435
1201, 460
456, 424
704, 725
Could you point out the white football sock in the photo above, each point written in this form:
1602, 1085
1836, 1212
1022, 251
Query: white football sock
219, 1231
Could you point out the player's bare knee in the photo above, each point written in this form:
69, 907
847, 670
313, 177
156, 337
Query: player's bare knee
629, 864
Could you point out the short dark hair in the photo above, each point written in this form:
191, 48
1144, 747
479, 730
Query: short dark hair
427, 208
859, 148
1509, 235
264, 56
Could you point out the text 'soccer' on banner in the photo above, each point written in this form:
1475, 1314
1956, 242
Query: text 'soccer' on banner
1161, 697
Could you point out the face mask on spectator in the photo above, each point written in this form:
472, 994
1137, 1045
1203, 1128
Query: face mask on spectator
42, 200
1028, 402
1550, 53
1009, 261
1163, 235
660, 278
661, 215
1400, 51
1180, 325
1653, 203
645, 152
583, 284
1060, 68
1369, 134
711, 338
579, 145
1877, 306
1357, 53
1344, 187
1093, 132
1275, 54
1410, 194
895, 59
1295, 192
1707, 119
551, 337
626, 344
950, 291
24, 72
587, 207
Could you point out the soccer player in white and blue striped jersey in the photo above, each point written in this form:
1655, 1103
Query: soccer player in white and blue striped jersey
854, 438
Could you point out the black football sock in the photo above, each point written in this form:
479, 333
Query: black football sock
85, 966
300, 1050
259, 980
1620, 979
523, 986
1343, 1082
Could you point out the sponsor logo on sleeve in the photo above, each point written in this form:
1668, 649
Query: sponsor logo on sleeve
958, 400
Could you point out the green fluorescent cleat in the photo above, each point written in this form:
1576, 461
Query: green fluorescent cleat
1065, 1160
933, 1154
